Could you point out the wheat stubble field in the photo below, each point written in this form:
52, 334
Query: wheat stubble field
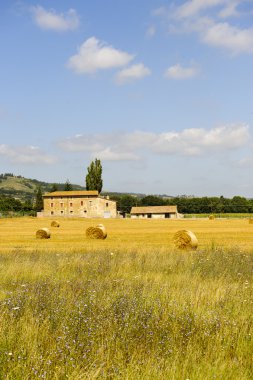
127, 307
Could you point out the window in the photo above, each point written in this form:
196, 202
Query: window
52, 205
81, 203
71, 212
61, 205
107, 204
61, 212
85, 210
52, 213
71, 204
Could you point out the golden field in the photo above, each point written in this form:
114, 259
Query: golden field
130, 307
126, 234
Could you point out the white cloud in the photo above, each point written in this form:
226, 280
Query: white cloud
203, 18
179, 72
55, 21
109, 155
133, 146
103, 146
193, 7
26, 155
232, 38
198, 141
230, 10
84, 143
131, 73
94, 55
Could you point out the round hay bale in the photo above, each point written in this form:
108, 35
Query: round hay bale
211, 217
55, 223
184, 239
98, 232
43, 233
102, 227
250, 220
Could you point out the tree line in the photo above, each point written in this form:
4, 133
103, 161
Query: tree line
9, 204
198, 205
193, 205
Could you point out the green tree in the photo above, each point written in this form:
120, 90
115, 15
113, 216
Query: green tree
68, 186
38, 206
10, 204
152, 200
126, 202
94, 177
54, 187
27, 205
239, 204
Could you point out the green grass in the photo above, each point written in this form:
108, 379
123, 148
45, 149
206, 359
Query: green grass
126, 315
221, 215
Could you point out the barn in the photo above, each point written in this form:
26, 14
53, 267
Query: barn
155, 212
85, 204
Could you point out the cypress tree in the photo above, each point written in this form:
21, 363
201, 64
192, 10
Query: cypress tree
38, 200
94, 177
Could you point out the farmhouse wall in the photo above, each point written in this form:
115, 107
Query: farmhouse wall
78, 205
153, 216
154, 212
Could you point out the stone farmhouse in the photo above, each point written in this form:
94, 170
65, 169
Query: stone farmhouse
85, 204
155, 212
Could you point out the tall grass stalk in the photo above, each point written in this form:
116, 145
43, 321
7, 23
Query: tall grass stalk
143, 314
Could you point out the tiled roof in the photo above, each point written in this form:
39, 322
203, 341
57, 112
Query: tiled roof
154, 210
72, 193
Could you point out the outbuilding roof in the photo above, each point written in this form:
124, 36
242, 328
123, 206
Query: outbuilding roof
154, 210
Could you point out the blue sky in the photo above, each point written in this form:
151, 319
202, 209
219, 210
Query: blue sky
160, 91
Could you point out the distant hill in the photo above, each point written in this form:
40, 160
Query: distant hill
25, 188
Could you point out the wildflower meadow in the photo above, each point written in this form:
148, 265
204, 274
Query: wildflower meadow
128, 307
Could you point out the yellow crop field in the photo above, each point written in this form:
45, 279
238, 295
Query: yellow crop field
126, 234
128, 307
